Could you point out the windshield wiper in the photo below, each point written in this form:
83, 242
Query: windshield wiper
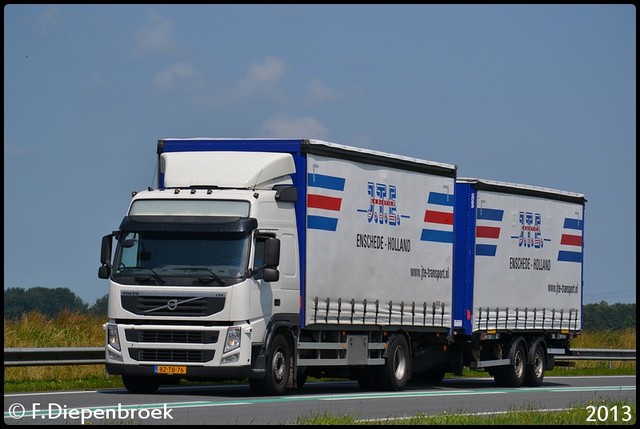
145, 278
214, 276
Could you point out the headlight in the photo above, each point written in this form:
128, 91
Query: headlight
112, 337
233, 339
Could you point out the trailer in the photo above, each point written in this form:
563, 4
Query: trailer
518, 285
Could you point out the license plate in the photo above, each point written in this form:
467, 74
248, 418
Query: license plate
166, 369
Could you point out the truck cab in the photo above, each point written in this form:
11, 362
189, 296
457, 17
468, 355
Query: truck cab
197, 272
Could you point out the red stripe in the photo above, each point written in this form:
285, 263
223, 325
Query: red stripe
571, 240
323, 202
487, 232
438, 217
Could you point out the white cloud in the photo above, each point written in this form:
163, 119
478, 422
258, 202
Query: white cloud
178, 76
262, 77
49, 20
319, 92
156, 37
287, 126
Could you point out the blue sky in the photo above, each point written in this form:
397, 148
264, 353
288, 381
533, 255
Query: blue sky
541, 95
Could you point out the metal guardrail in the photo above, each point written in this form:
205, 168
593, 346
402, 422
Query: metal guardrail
54, 356
598, 354
95, 356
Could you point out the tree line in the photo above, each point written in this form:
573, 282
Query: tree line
50, 302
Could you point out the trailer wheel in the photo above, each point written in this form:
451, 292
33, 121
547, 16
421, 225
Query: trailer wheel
513, 375
395, 372
277, 370
534, 373
137, 384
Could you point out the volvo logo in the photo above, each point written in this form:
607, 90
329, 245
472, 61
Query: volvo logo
173, 303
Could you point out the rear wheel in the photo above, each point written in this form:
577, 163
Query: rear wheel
513, 375
534, 373
396, 371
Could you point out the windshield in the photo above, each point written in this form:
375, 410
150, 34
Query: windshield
181, 258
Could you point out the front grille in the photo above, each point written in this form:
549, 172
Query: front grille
168, 355
167, 336
166, 305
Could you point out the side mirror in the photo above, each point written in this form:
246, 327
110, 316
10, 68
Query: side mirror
104, 272
272, 252
271, 275
105, 250
267, 259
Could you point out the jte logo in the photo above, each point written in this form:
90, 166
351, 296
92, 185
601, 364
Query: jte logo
382, 204
530, 230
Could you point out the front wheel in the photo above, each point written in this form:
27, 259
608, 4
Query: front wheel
277, 370
395, 373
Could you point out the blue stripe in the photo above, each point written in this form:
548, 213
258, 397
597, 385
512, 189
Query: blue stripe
326, 182
441, 199
490, 214
321, 222
565, 256
571, 223
486, 249
437, 236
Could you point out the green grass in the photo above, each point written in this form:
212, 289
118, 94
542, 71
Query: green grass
579, 414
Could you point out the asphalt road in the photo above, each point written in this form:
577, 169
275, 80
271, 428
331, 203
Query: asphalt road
235, 404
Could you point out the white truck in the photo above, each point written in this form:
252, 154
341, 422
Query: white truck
279, 259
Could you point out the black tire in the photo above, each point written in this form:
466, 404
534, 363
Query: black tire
396, 371
277, 370
136, 384
535, 369
513, 375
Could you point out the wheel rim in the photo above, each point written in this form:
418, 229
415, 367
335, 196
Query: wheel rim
538, 365
400, 362
278, 365
519, 364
